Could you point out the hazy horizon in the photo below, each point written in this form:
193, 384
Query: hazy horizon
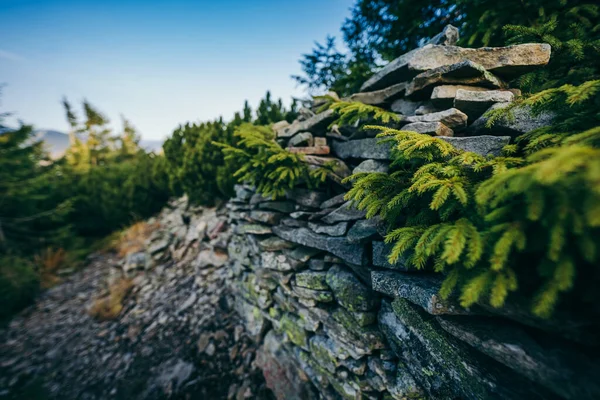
159, 63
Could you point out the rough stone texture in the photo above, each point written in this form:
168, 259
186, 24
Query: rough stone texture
307, 198
443, 96
279, 262
475, 103
461, 73
363, 230
301, 139
322, 296
338, 229
406, 107
334, 201
345, 212
380, 257
447, 37
371, 166
255, 229
426, 108
505, 61
282, 373
338, 246
560, 368
362, 149
315, 124
380, 97
312, 280
349, 292
522, 121
266, 217
274, 244
429, 128
281, 206
454, 370
419, 289
452, 118
482, 145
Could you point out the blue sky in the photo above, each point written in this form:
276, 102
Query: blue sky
160, 63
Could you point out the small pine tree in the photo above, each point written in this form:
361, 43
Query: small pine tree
265, 164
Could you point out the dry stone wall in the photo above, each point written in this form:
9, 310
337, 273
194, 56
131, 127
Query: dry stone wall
335, 319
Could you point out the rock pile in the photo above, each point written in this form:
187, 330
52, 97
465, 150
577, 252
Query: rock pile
335, 319
177, 335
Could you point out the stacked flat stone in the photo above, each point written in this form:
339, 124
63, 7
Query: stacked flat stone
336, 319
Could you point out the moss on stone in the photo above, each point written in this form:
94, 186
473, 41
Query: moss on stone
294, 331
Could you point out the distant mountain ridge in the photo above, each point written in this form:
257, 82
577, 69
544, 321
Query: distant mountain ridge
57, 142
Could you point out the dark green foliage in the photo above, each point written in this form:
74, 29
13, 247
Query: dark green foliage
265, 164
385, 29
490, 224
32, 212
574, 34
351, 112
49, 206
197, 167
108, 178
327, 68
19, 283
270, 111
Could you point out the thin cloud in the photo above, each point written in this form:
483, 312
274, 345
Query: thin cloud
7, 55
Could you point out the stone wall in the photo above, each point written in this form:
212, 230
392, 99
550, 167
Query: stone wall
335, 319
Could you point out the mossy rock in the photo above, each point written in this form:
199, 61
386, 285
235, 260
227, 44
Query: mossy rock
349, 291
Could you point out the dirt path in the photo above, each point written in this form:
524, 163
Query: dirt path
177, 336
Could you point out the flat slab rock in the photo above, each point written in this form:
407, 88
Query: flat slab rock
349, 291
522, 121
345, 212
419, 289
475, 103
316, 124
567, 371
482, 145
447, 368
380, 97
508, 62
363, 149
338, 246
462, 73
452, 118
381, 251
306, 198
371, 166
443, 95
429, 128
